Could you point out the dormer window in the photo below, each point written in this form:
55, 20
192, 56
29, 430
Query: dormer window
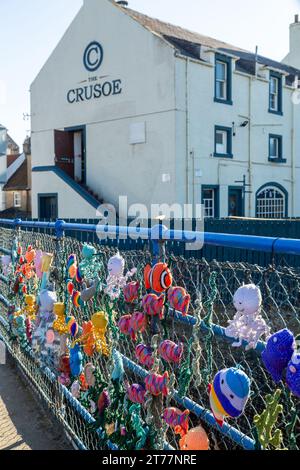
223, 79
275, 93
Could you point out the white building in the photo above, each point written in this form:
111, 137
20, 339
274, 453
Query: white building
129, 105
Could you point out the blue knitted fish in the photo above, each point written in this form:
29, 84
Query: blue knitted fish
76, 360
293, 374
278, 352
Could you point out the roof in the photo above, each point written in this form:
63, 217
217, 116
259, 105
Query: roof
19, 180
188, 42
11, 143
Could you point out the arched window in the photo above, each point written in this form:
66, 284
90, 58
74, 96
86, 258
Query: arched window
271, 202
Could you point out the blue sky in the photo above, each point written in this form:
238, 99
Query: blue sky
31, 29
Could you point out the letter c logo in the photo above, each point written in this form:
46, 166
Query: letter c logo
93, 56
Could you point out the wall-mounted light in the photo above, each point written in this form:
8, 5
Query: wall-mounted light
244, 124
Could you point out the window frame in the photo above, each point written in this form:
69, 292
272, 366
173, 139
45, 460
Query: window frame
278, 77
280, 158
228, 131
17, 193
227, 61
216, 190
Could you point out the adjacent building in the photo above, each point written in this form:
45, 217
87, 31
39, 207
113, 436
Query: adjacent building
129, 105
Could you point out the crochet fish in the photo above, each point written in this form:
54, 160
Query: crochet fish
179, 299
136, 394
278, 352
171, 352
177, 419
293, 374
131, 292
157, 384
144, 355
228, 394
158, 278
154, 305
76, 360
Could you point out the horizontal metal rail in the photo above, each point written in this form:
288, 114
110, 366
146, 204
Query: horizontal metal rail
266, 244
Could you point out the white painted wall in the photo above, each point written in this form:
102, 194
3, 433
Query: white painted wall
174, 98
144, 63
195, 132
70, 203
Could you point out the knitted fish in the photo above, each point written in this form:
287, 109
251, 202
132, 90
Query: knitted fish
153, 305
124, 325
138, 323
157, 384
195, 439
171, 352
179, 299
278, 352
76, 360
131, 292
76, 299
72, 266
293, 374
89, 292
132, 324
144, 355
229, 394
88, 338
158, 278
177, 419
136, 394
103, 402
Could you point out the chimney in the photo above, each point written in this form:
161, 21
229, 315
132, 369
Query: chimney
122, 3
293, 57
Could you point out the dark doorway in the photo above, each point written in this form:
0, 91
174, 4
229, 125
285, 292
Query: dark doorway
70, 152
235, 202
64, 151
47, 206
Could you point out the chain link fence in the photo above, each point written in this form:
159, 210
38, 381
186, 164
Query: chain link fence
211, 286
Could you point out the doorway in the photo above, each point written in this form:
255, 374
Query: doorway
48, 206
70, 152
236, 206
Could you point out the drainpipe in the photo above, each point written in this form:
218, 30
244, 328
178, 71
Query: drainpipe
187, 137
293, 156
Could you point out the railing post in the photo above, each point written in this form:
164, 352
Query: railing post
59, 228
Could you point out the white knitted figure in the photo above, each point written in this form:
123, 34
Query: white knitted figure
247, 324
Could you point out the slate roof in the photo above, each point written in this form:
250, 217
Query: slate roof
188, 43
19, 180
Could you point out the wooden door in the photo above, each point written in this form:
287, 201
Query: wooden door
64, 151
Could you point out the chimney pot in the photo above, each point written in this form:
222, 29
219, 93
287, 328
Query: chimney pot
122, 3
296, 18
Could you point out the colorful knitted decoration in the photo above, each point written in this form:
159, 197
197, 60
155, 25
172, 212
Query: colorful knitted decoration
195, 439
178, 420
131, 292
170, 351
278, 353
248, 324
229, 394
179, 299
154, 305
158, 278
264, 423
144, 355
157, 384
293, 374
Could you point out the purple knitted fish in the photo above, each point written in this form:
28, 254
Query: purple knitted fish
293, 374
278, 352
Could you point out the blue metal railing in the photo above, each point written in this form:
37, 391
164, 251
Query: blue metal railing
266, 244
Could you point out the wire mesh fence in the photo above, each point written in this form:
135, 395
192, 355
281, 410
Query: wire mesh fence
127, 425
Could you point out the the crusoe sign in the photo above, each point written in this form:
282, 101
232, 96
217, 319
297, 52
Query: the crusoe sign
94, 87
